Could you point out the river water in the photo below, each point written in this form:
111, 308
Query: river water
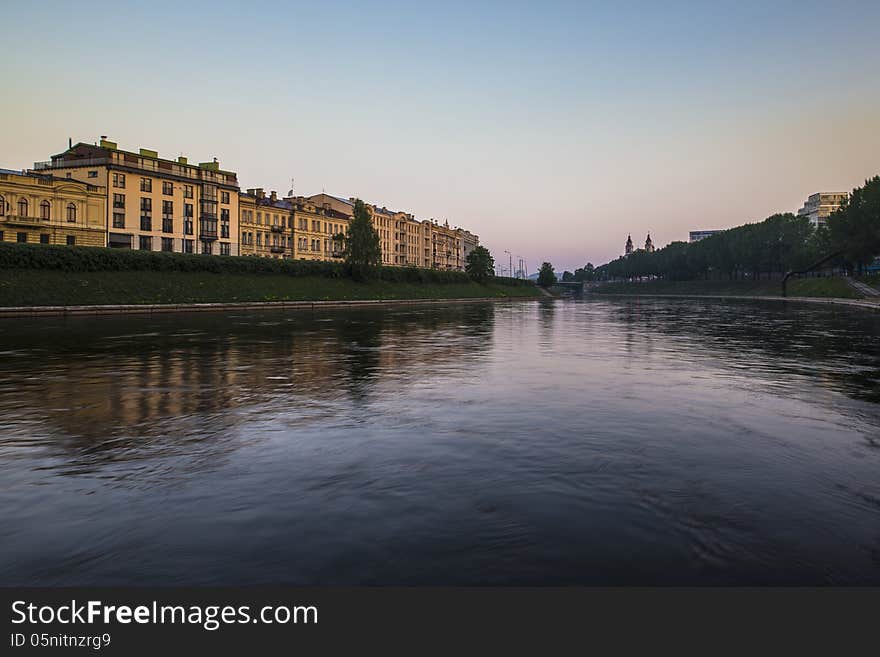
537, 442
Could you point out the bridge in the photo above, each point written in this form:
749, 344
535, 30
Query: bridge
569, 287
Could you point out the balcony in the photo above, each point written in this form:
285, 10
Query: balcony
18, 220
277, 249
277, 229
205, 234
70, 162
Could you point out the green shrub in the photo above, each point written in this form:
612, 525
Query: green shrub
86, 258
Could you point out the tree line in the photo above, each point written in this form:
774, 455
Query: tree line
780, 243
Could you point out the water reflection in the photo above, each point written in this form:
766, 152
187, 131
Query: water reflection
541, 442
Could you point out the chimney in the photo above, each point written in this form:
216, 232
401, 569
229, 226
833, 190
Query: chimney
260, 193
273, 195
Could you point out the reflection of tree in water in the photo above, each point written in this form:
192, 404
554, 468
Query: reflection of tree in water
110, 388
546, 319
835, 347
360, 343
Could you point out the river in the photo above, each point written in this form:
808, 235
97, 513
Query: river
611, 441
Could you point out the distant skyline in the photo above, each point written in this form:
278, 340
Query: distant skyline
552, 130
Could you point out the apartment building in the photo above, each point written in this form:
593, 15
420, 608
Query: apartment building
446, 247
317, 224
44, 209
152, 203
156, 204
266, 225
409, 242
820, 205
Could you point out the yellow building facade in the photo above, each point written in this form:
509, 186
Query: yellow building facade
41, 209
156, 204
266, 225
406, 241
315, 227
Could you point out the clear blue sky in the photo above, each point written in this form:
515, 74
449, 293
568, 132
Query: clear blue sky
550, 129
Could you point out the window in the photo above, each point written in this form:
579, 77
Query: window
1, 235
224, 197
71, 240
22, 207
187, 246
119, 180
44, 238
21, 237
119, 201
167, 216
187, 219
259, 218
224, 248
145, 243
259, 239
71, 212
44, 210
146, 184
167, 244
224, 223
207, 247
187, 191
146, 214
167, 188
93, 174
2, 206
119, 220
208, 227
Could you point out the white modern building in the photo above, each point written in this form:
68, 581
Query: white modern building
821, 204
697, 235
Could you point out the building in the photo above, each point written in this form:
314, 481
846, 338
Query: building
317, 224
44, 209
446, 246
820, 205
469, 242
156, 204
266, 224
628, 247
697, 235
406, 241
649, 245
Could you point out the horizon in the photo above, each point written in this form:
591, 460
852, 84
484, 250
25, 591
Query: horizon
550, 133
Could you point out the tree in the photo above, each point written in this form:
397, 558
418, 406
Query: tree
480, 265
855, 227
546, 276
362, 251
567, 276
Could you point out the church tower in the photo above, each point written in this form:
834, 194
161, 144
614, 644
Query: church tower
629, 245
649, 245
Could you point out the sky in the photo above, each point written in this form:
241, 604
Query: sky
550, 129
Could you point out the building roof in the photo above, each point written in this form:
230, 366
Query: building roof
83, 150
279, 204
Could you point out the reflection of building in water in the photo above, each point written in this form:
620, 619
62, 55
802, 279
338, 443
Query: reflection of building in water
188, 374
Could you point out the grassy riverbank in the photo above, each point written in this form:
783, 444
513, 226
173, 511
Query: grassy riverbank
38, 287
804, 287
